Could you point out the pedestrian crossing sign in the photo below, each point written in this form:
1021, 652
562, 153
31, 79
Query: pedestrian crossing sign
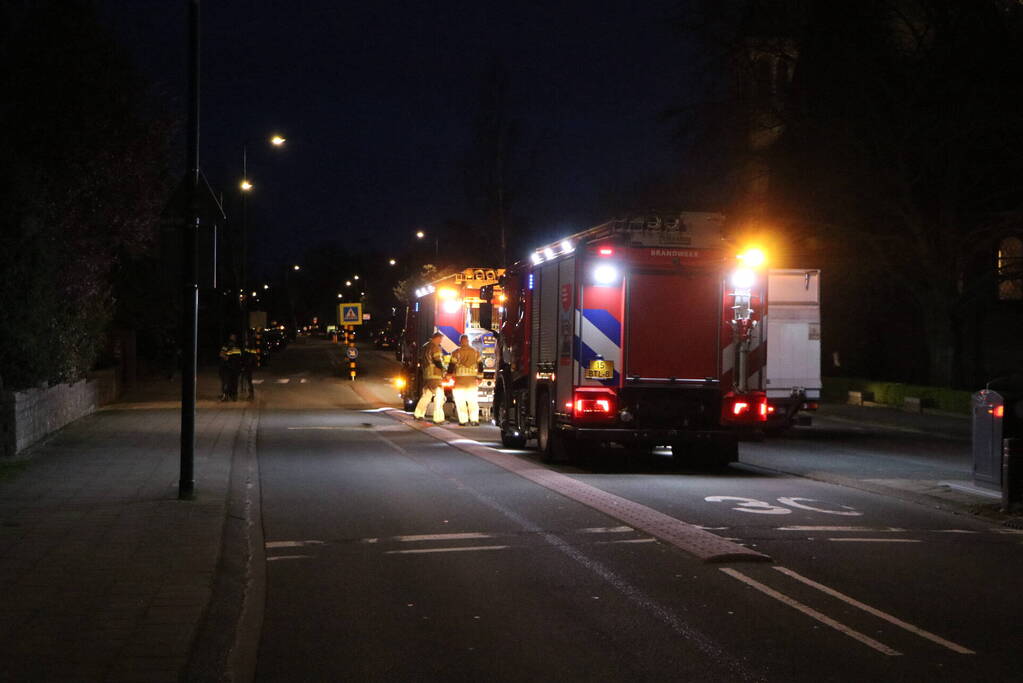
349, 314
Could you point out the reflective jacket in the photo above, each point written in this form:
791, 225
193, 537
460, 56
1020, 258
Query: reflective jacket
433, 361
466, 363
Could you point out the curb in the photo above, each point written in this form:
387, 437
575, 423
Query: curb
226, 643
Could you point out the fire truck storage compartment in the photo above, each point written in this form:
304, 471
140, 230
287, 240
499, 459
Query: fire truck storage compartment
673, 324
544, 323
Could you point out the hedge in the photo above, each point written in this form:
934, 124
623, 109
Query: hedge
894, 393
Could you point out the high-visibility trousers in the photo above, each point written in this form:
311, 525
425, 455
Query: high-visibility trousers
438, 398
467, 403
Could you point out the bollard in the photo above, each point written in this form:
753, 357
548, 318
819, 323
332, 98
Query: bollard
1012, 474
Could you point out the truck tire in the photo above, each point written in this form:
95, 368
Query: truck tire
554, 444
511, 437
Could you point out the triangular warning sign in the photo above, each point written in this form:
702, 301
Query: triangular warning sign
351, 314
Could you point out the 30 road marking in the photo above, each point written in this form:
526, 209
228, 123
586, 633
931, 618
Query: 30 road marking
876, 540
453, 549
812, 613
877, 613
761, 507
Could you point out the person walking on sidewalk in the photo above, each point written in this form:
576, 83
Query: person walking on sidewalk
230, 366
249, 363
467, 367
432, 362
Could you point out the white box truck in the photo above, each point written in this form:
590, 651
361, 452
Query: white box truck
793, 369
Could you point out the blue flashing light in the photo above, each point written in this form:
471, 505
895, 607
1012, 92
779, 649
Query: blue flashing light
530, 282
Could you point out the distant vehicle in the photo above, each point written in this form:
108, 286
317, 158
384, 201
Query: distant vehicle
643, 331
384, 339
793, 370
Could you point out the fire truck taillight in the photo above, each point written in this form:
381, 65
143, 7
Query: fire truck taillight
606, 251
999, 411
744, 408
593, 404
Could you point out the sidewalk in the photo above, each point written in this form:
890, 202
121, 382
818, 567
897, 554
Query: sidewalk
924, 458
106, 576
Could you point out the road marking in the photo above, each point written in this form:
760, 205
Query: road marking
258, 381
303, 380
283, 380
454, 549
758, 507
880, 530
325, 428
878, 613
606, 530
812, 613
846, 511
684, 536
955, 531
289, 557
629, 540
290, 544
441, 537
876, 540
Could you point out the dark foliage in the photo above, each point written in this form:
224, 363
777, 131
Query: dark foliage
82, 181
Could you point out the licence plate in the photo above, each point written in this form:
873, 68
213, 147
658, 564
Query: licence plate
600, 369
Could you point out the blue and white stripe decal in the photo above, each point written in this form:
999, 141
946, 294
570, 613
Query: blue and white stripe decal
449, 342
599, 337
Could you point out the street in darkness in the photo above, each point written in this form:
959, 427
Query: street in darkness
395, 554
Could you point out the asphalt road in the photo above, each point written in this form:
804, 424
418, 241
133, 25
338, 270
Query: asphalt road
398, 554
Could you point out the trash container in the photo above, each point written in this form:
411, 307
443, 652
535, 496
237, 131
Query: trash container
997, 415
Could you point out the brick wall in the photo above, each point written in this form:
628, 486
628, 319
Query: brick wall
30, 415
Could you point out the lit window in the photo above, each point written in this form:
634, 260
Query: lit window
1010, 269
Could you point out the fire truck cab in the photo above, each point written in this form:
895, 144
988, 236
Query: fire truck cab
642, 331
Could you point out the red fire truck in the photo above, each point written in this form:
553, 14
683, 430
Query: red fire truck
449, 305
643, 331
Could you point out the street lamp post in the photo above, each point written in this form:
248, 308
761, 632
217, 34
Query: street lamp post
246, 186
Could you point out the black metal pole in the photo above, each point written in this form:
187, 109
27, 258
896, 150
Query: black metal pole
190, 268
244, 299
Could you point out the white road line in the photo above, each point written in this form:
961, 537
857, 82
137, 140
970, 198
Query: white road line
283, 380
841, 528
955, 531
290, 544
258, 381
606, 530
629, 540
812, 613
289, 557
442, 537
876, 540
877, 613
303, 380
457, 549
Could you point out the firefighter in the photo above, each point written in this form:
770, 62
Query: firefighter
467, 367
432, 362
230, 366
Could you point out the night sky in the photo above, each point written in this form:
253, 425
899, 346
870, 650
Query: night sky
377, 102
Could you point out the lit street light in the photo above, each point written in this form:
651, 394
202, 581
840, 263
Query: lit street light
278, 140
355, 277
420, 234
297, 267
266, 286
348, 283
392, 262
245, 185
